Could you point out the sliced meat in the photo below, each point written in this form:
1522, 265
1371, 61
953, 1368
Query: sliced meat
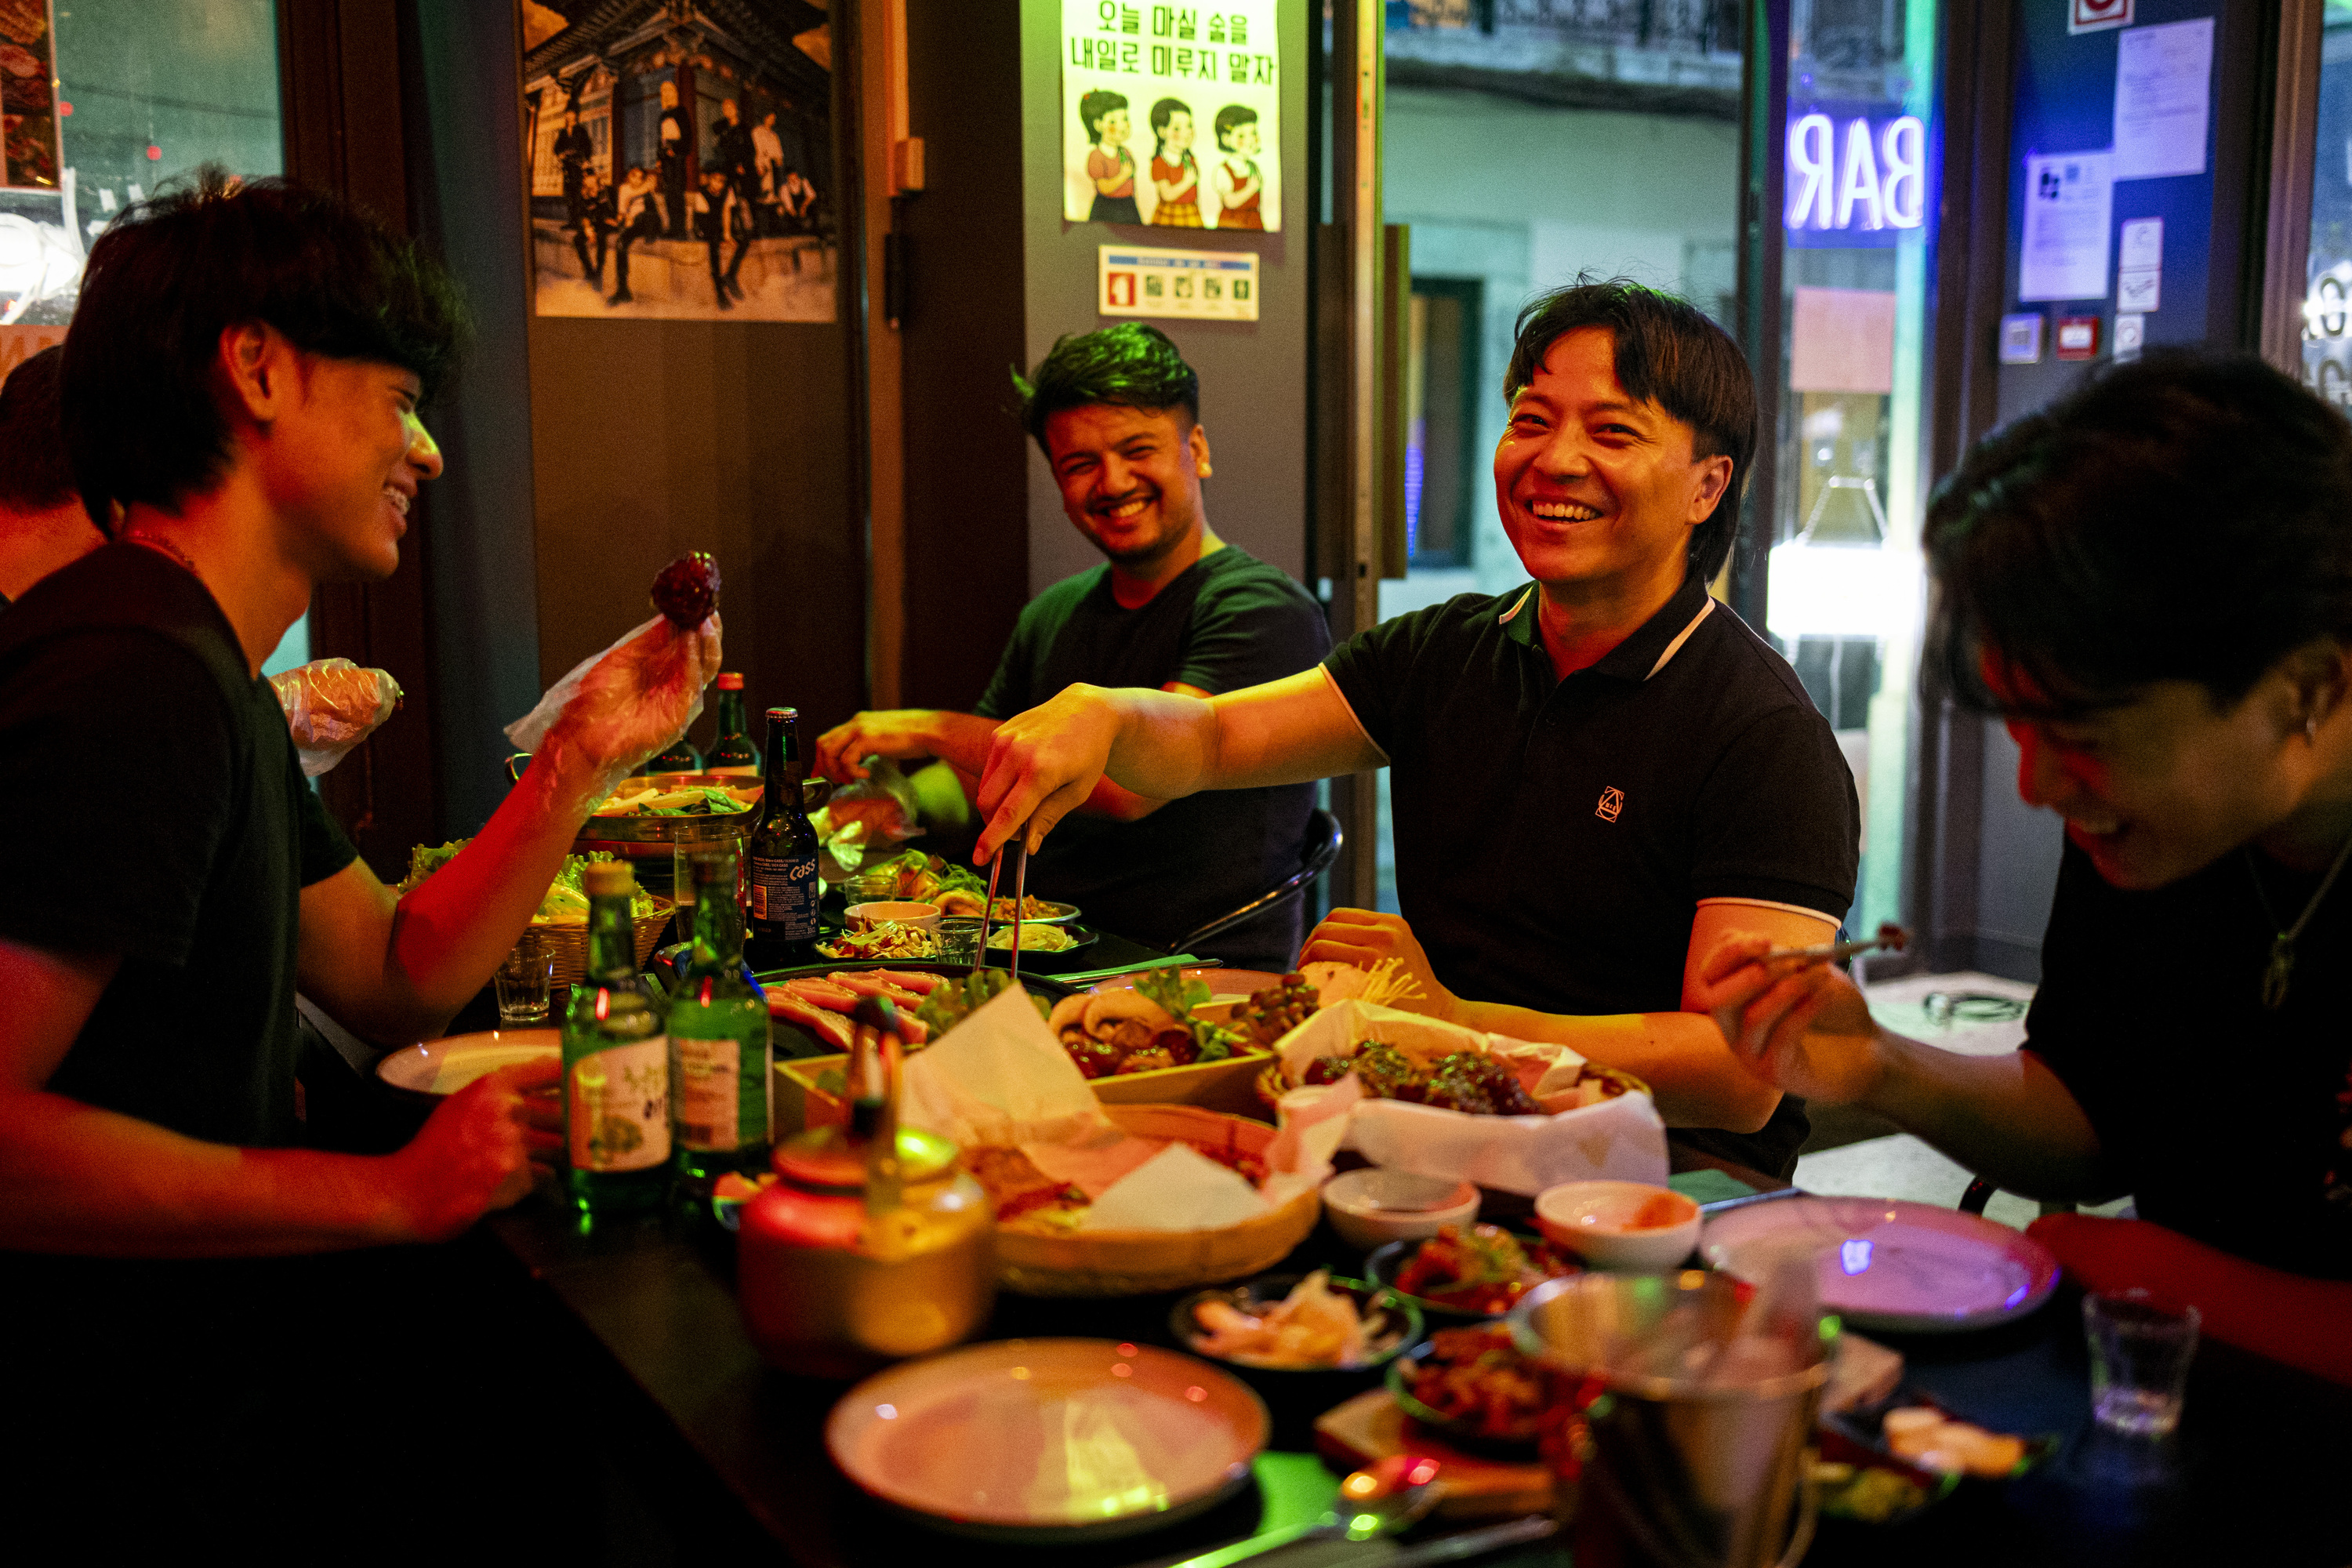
830, 1027
868, 983
912, 980
821, 994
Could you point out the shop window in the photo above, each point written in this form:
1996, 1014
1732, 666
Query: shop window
1442, 458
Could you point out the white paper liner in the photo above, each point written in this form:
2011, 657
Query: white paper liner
1621, 1139
1001, 1080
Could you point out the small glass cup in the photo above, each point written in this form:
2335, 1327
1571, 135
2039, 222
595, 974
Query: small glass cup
959, 937
2139, 1362
526, 978
873, 886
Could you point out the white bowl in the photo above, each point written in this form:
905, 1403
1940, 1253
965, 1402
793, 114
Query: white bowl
1592, 1219
1373, 1206
905, 912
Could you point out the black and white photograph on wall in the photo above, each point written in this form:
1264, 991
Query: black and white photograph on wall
679, 155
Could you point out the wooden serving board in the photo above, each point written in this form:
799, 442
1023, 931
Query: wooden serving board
1370, 1427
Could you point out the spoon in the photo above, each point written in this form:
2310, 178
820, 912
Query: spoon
1379, 1500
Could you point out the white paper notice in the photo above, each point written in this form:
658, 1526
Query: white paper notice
2069, 203
2163, 96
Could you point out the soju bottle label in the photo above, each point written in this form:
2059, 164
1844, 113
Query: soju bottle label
784, 895
619, 1110
708, 1095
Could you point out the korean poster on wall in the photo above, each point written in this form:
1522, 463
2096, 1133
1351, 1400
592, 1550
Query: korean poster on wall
679, 169
1171, 114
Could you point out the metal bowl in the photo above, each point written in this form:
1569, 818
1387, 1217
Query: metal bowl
615, 833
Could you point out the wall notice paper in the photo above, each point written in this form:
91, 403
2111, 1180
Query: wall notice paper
1842, 340
2069, 205
1171, 115
2163, 96
1204, 285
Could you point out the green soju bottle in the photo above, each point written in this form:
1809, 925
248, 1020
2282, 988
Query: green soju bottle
616, 1064
783, 856
718, 1049
733, 751
678, 758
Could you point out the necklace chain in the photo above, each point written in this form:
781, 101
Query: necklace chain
161, 546
2279, 969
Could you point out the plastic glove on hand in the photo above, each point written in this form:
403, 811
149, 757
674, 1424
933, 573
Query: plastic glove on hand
637, 697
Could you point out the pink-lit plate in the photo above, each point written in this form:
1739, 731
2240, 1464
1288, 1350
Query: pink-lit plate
445, 1066
1049, 1441
1883, 1264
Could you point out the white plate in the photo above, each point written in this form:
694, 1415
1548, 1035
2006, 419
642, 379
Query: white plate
445, 1066
1049, 1441
1884, 1264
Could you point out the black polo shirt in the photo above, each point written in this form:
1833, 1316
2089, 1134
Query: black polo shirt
1555, 838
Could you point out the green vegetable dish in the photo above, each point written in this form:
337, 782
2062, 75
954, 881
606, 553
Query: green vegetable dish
1170, 988
565, 904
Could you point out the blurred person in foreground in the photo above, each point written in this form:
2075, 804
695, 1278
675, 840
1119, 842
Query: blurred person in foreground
2151, 583
1594, 776
241, 386
1117, 414
42, 523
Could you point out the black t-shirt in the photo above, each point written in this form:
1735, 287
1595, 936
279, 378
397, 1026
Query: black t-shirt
1227, 622
181, 835
1555, 838
2227, 1122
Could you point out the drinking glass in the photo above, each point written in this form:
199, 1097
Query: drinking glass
2139, 1362
525, 980
959, 939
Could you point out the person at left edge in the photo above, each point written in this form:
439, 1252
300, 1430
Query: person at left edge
42, 523
1117, 413
241, 383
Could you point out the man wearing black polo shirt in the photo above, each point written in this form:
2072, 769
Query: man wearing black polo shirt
1595, 775
1117, 413
242, 381
42, 524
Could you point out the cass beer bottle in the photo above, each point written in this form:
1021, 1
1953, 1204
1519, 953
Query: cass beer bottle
783, 856
719, 1045
733, 751
616, 1064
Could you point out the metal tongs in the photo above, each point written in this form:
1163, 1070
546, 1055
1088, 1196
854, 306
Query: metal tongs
1020, 848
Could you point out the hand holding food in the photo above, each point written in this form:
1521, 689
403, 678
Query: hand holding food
896, 733
1369, 940
1808, 1030
330, 706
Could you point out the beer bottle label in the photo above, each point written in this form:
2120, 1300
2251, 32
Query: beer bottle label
785, 896
618, 1108
708, 1095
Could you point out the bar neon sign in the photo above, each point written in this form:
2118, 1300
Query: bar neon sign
1857, 177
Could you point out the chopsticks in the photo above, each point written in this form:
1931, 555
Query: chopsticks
1891, 937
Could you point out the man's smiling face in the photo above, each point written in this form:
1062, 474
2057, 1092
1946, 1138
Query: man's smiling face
1600, 490
1130, 478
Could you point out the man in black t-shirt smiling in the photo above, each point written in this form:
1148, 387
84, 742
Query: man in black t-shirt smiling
1117, 413
1595, 775
242, 381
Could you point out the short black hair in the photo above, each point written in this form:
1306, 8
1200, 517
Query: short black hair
35, 475
142, 419
1130, 364
1668, 352
2184, 517
1094, 108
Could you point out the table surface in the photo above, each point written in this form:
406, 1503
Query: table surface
2250, 1476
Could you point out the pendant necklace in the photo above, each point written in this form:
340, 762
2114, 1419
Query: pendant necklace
2280, 968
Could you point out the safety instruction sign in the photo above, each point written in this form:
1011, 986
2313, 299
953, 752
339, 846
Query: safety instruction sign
1204, 285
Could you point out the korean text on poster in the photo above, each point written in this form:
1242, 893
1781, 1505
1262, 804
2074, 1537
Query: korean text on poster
1171, 114
1205, 285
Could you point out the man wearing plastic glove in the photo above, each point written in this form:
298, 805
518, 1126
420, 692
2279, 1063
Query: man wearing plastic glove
242, 378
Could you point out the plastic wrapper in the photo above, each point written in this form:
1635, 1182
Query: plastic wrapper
331, 705
630, 701
1618, 1139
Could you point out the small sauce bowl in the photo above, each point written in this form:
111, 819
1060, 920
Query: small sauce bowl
1629, 1226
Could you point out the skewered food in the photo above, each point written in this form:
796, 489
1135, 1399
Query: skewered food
686, 590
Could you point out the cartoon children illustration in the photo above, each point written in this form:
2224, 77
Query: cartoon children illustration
1174, 175
1238, 182
1110, 165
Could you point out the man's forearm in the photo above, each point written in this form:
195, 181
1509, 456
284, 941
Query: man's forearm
1694, 1078
74, 1178
2007, 1118
1166, 745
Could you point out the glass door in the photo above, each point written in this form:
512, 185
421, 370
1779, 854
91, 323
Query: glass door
1845, 586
